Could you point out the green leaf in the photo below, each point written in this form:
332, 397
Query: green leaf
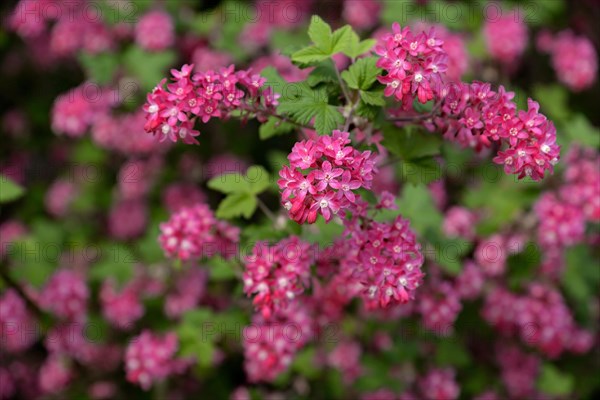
322, 73
420, 171
448, 251
229, 183
220, 269
274, 127
320, 33
554, 382
374, 98
308, 55
117, 262
309, 104
236, 205
101, 67
451, 353
258, 179
522, 266
553, 101
341, 39
147, 67
9, 190
581, 131
416, 204
411, 142
362, 74
356, 48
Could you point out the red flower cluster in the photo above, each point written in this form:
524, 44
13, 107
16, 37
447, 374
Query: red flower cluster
171, 113
385, 259
194, 232
150, 358
65, 295
475, 115
540, 317
278, 274
415, 65
323, 176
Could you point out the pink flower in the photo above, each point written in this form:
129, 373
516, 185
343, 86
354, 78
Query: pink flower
155, 31
506, 37
55, 374
17, 325
65, 295
121, 309
575, 60
150, 358
276, 275
336, 171
440, 384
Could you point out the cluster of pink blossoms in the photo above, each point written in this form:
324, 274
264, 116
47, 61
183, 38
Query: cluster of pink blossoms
540, 317
574, 58
172, 112
271, 344
121, 308
65, 295
474, 115
563, 214
506, 37
189, 289
323, 175
155, 31
439, 307
386, 259
415, 65
150, 358
78, 109
17, 326
276, 275
194, 232
519, 371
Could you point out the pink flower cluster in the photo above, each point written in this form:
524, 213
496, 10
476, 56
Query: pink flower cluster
78, 109
361, 14
270, 345
506, 37
519, 371
415, 65
276, 275
171, 113
540, 317
150, 358
439, 384
563, 214
65, 295
194, 232
121, 308
189, 289
574, 58
460, 222
155, 31
55, 374
454, 46
17, 326
475, 115
439, 307
125, 134
385, 259
74, 27
322, 177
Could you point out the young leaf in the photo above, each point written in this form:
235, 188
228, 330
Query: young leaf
311, 104
374, 98
309, 55
9, 190
229, 183
258, 179
356, 48
274, 127
236, 205
362, 74
341, 39
320, 34
554, 382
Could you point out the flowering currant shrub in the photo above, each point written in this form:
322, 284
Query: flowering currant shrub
371, 200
